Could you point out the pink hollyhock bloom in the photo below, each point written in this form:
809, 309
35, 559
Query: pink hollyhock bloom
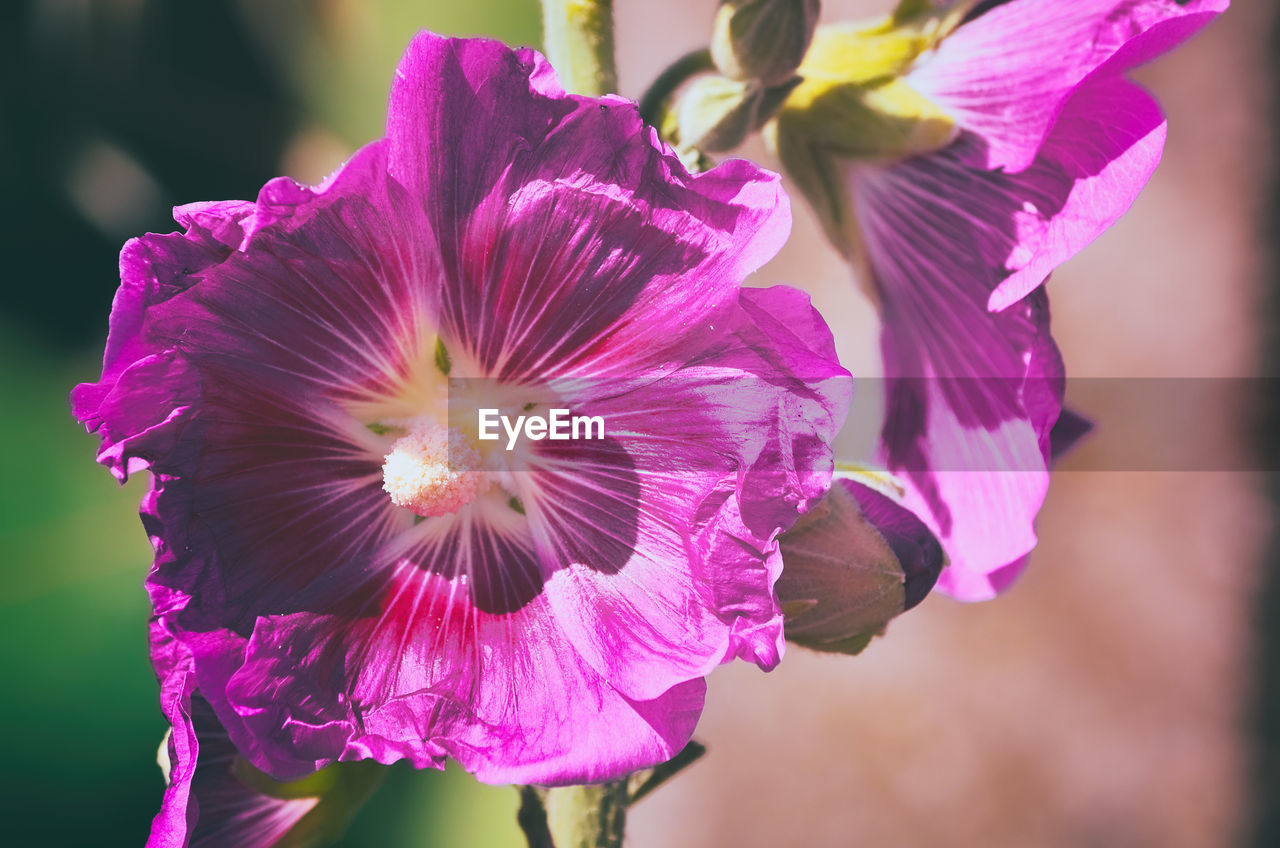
355, 571
959, 160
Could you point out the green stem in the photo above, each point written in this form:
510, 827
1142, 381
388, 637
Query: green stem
532, 817
578, 39
654, 102
592, 816
587, 816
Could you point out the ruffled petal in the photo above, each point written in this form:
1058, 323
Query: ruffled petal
328, 298
202, 318
460, 114
1007, 74
225, 810
179, 812
153, 270
561, 220
727, 453
241, 407
213, 797
429, 675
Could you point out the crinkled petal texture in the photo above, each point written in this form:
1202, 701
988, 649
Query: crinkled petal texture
557, 627
214, 797
1054, 147
205, 803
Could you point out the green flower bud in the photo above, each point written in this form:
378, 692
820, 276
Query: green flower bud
852, 564
717, 114
763, 40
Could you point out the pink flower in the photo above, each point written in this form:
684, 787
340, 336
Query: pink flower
354, 570
960, 158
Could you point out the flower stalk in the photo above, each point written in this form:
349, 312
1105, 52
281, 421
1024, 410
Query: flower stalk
656, 101
592, 816
578, 39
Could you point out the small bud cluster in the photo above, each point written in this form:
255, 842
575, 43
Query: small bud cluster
756, 45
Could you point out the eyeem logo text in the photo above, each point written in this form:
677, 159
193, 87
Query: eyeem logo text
558, 426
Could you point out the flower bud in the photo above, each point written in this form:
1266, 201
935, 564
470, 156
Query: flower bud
717, 114
854, 562
763, 40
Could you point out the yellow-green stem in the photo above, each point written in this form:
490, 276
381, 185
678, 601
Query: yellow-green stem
587, 816
578, 39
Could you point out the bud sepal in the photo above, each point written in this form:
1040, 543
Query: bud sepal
852, 564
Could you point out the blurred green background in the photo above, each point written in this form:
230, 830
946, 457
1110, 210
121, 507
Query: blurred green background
112, 111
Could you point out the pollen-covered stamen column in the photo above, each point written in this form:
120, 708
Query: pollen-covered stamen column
433, 470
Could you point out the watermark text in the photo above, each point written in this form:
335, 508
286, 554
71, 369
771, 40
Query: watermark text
557, 425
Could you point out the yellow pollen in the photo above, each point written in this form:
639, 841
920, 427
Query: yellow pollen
433, 470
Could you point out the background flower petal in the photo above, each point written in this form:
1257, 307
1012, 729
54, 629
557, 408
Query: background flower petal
1106, 145
1006, 74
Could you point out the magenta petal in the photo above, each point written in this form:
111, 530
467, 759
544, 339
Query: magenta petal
462, 114
974, 450
1011, 230
240, 406
223, 222
973, 395
153, 270
503, 694
1106, 144
205, 804
342, 272
727, 453
562, 219
1007, 74
172, 826
188, 303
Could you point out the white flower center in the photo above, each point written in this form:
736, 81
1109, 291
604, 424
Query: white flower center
433, 470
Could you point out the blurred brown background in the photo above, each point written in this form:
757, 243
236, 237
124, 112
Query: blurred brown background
1108, 700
